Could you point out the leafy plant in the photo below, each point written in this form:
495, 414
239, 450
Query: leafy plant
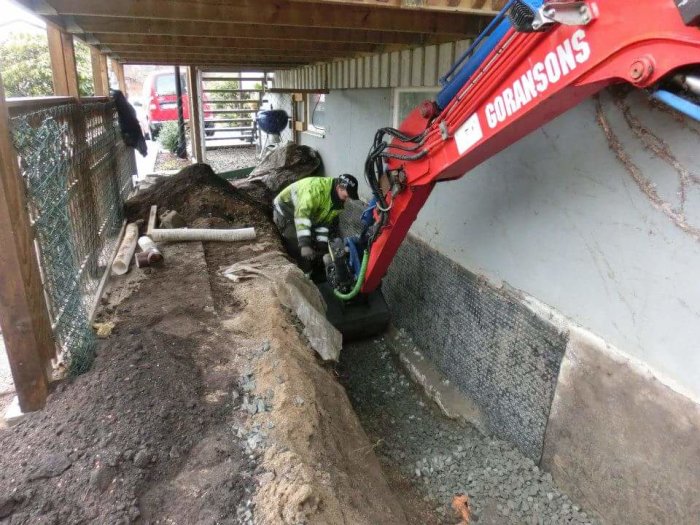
25, 65
168, 135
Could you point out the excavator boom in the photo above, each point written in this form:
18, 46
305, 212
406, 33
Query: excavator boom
534, 62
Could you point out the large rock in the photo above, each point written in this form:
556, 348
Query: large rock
288, 163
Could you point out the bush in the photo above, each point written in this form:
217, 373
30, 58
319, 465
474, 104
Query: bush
168, 135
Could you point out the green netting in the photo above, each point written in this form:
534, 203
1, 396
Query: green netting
77, 173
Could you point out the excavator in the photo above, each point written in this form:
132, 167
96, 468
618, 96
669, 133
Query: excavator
534, 61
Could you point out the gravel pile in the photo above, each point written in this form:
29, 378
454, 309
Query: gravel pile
443, 457
228, 159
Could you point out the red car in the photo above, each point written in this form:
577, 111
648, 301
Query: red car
160, 102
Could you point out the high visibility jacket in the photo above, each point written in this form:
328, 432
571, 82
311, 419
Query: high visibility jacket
310, 204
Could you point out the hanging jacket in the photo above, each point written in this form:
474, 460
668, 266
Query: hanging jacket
313, 205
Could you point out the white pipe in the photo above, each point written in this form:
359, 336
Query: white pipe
202, 234
126, 251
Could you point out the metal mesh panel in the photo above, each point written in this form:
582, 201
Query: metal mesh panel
77, 174
482, 338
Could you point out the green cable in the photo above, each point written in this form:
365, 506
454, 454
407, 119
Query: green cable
358, 284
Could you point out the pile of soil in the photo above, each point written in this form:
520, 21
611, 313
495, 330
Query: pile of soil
197, 193
205, 404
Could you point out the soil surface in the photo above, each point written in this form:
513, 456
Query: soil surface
204, 405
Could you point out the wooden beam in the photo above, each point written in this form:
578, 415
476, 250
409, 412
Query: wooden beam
136, 26
100, 73
63, 68
184, 57
196, 136
118, 68
228, 65
119, 41
257, 53
177, 59
480, 7
278, 12
26, 327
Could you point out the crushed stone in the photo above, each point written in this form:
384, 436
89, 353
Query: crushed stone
442, 457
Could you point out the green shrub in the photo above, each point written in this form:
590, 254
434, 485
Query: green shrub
168, 135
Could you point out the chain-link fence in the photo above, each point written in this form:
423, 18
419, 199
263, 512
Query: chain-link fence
77, 173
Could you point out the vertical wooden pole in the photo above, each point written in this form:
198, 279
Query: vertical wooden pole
118, 68
100, 73
26, 327
63, 68
196, 136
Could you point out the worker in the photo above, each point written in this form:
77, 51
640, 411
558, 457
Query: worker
306, 212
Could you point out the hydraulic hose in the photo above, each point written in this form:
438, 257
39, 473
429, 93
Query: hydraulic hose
358, 284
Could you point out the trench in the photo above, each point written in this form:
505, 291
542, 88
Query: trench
429, 458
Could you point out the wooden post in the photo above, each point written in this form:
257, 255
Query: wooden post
100, 73
118, 68
26, 327
63, 69
196, 136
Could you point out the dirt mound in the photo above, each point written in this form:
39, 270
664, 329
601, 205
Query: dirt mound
196, 192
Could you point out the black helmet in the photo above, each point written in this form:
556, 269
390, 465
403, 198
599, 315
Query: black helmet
349, 183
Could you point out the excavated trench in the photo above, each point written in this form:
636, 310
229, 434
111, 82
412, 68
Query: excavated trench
429, 458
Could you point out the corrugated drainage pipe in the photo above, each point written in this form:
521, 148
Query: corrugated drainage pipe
126, 251
202, 234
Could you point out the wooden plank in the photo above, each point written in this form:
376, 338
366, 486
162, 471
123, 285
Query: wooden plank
186, 28
118, 68
100, 75
119, 41
394, 69
417, 64
478, 7
376, 70
384, 66
353, 73
446, 57
63, 68
430, 59
26, 327
367, 76
122, 50
406, 63
194, 89
347, 80
298, 90
338, 16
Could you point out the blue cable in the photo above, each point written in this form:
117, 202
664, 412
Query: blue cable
678, 103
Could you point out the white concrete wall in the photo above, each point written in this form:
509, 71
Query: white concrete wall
558, 216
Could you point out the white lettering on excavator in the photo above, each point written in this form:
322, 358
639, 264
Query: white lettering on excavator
556, 64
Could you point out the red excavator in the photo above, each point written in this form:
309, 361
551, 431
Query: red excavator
533, 62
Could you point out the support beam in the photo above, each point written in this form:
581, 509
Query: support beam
117, 41
279, 12
196, 136
318, 55
481, 7
194, 57
100, 73
63, 68
386, 36
25, 323
118, 69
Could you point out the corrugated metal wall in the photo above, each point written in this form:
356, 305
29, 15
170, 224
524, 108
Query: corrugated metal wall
418, 67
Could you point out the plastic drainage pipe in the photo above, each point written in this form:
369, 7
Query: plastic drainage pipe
358, 284
202, 234
678, 103
126, 250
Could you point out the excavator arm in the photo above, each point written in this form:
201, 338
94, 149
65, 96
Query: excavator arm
535, 61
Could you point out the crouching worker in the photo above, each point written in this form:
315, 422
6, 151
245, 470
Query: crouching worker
306, 214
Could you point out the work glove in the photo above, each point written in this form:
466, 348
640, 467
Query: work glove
307, 253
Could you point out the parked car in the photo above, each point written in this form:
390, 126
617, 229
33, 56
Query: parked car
159, 102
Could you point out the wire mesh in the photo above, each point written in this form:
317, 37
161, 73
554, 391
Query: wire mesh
77, 174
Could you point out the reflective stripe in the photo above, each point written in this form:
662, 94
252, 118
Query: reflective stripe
278, 208
294, 197
305, 222
303, 233
321, 229
321, 238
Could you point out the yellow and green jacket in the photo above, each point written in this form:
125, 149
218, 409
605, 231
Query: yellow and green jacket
313, 205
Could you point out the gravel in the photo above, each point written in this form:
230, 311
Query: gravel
442, 457
228, 159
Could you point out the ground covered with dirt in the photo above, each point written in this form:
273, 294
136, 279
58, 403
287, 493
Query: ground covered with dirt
205, 405
432, 458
